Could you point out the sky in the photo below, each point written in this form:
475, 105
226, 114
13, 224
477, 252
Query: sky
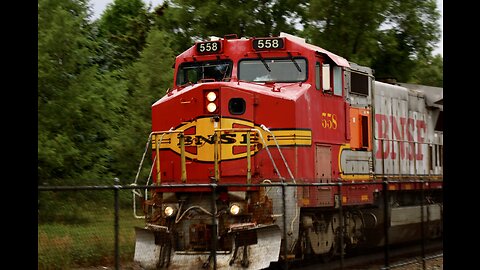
98, 6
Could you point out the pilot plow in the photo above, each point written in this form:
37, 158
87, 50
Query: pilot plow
252, 248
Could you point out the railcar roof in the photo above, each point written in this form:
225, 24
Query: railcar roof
433, 95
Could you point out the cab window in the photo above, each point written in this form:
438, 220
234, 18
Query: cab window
337, 80
273, 70
192, 72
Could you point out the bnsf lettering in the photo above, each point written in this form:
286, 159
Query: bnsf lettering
226, 138
402, 130
253, 139
197, 140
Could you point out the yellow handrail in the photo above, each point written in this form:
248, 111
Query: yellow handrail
249, 154
182, 152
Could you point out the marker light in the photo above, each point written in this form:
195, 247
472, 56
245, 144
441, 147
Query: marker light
211, 107
234, 209
169, 211
211, 96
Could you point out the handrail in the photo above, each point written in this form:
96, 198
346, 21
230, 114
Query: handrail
280, 151
181, 137
134, 191
248, 130
156, 160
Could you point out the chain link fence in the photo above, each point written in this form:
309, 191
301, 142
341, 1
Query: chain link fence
85, 226
91, 226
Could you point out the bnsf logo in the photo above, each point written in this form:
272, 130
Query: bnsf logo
407, 131
199, 140
230, 138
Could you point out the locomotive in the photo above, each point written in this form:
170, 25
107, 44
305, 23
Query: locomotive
270, 149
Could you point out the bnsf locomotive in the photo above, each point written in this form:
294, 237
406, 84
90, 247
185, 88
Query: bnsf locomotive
272, 149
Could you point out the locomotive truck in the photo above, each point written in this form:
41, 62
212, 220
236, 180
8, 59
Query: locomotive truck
270, 149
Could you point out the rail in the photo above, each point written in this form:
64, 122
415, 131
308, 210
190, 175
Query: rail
158, 137
217, 157
339, 186
156, 161
181, 137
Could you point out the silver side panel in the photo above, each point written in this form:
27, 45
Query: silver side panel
403, 131
412, 214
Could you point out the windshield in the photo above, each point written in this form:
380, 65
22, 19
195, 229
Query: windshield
278, 70
194, 71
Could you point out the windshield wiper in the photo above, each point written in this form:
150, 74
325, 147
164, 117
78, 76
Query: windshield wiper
263, 62
225, 74
294, 62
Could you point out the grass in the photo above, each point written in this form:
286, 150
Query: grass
66, 246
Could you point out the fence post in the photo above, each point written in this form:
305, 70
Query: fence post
285, 247
386, 219
342, 221
116, 188
213, 253
422, 224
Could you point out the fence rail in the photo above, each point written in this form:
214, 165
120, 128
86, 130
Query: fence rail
122, 223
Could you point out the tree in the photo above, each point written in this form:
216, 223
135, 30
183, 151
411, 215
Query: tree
122, 29
389, 36
412, 35
147, 80
191, 20
429, 71
77, 104
345, 27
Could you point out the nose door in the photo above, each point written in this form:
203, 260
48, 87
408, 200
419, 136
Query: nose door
237, 111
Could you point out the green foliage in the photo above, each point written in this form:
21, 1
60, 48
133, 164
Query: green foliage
345, 27
389, 36
97, 80
411, 34
429, 71
147, 80
73, 111
199, 19
123, 28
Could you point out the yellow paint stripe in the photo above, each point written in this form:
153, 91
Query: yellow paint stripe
200, 131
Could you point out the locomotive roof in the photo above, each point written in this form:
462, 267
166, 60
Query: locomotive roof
301, 41
294, 39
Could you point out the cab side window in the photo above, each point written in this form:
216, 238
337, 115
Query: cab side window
328, 77
337, 80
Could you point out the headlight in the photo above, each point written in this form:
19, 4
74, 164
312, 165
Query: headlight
169, 211
234, 209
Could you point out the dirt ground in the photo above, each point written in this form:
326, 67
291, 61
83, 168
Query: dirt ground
431, 264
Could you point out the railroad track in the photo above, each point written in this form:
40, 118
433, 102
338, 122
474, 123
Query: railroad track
406, 256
